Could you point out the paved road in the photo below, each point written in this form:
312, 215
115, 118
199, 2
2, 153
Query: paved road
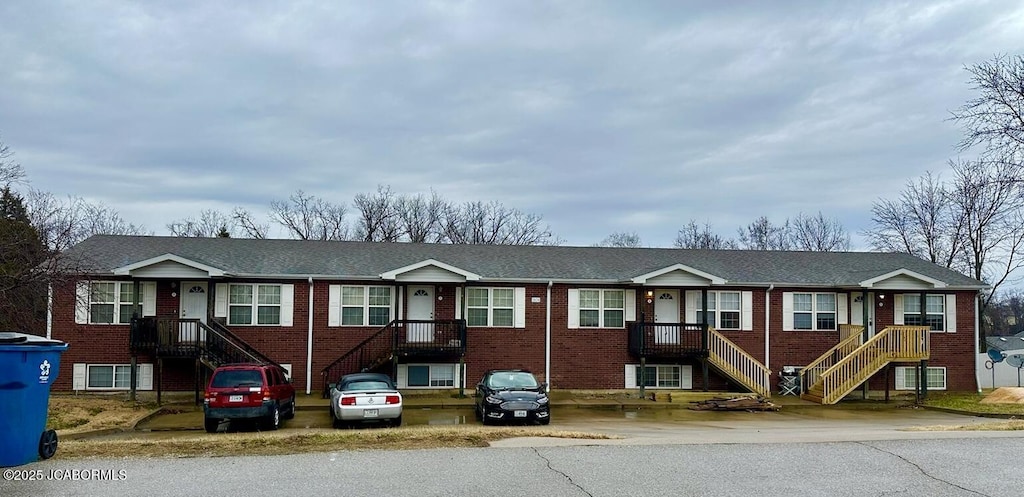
940, 467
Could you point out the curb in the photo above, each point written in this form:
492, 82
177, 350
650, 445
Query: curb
992, 415
110, 431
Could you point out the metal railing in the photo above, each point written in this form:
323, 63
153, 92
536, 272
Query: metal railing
212, 343
668, 339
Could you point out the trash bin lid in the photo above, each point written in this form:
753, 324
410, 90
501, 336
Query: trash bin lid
15, 338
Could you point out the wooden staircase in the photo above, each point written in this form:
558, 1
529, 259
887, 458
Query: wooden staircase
849, 364
737, 365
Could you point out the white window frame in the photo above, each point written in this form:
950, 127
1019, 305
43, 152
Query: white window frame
815, 311
601, 308
491, 307
658, 370
117, 303
432, 378
255, 304
715, 313
902, 372
941, 314
365, 305
113, 377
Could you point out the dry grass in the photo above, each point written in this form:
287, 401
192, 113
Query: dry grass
1011, 425
971, 402
78, 413
274, 443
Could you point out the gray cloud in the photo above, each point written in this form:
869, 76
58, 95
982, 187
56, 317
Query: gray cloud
618, 116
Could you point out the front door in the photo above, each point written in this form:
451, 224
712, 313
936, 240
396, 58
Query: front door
857, 312
666, 310
421, 308
193, 307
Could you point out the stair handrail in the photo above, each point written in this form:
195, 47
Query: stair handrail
894, 343
390, 327
739, 364
854, 338
222, 331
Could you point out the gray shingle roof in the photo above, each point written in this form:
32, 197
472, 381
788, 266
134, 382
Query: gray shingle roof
1012, 342
300, 258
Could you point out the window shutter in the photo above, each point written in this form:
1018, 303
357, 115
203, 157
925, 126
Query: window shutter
78, 377
747, 311
951, 313
334, 305
402, 378
458, 374
631, 376
391, 308
82, 303
692, 303
574, 308
901, 377
842, 312
220, 301
897, 308
630, 305
787, 311
287, 304
459, 304
145, 377
520, 308
149, 298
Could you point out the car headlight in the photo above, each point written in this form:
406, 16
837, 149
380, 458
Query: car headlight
493, 400
542, 400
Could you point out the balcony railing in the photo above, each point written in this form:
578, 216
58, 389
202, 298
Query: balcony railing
668, 339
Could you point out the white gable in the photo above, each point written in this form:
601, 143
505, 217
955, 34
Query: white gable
902, 279
168, 266
430, 271
679, 274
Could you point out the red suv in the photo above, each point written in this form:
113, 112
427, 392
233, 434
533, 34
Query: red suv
259, 392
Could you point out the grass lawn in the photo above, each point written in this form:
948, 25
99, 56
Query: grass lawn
78, 413
971, 402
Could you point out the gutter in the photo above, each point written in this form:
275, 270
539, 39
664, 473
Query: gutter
767, 326
547, 337
309, 342
977, 338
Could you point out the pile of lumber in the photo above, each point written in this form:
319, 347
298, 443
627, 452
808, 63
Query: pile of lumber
746, 403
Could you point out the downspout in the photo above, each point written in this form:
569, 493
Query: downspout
49, 311
547, 337
767, 325
309, 341
977, 338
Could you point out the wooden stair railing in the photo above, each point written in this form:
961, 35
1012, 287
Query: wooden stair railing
854, 337
375, 350
893, 344
737, 364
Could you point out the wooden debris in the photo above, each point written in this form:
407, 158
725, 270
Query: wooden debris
750, 403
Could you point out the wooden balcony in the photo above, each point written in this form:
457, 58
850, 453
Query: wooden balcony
668, 340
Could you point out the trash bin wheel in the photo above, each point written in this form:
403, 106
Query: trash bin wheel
48, 444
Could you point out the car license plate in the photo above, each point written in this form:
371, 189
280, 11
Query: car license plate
520, 414
235, 398
369, 413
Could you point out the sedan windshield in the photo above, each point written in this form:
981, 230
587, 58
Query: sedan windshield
515, 379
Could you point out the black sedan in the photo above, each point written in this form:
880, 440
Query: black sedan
512, 395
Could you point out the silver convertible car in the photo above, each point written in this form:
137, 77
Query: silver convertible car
363, 397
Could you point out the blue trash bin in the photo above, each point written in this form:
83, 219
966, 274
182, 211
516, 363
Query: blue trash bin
28, 366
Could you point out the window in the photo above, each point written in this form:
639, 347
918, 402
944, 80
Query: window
723, 310
660, 377
254, 303
110, 302
431, 375
935, 311
490, 307
365, 305
602, 308
906, 378
814, 311
109, 376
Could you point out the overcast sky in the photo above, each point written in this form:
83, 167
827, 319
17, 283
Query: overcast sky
601, 117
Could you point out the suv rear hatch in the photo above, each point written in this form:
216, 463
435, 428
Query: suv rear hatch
237, 388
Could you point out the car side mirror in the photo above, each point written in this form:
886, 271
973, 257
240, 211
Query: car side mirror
330, 386
544, 387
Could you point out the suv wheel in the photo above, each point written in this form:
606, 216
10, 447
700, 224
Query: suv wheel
211, 425
291, 409
274, 418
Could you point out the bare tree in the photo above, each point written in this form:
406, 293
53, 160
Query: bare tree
493, 224
621, 239
761, 234
209, 224
247, 224
379, 220
10, 171
921, 222
307, 217
995, 118
63, 223
694, 236
420, 217
819, 234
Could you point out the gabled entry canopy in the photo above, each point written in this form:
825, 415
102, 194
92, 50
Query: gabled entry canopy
430, 271
902, 279
169, 266
678, 275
